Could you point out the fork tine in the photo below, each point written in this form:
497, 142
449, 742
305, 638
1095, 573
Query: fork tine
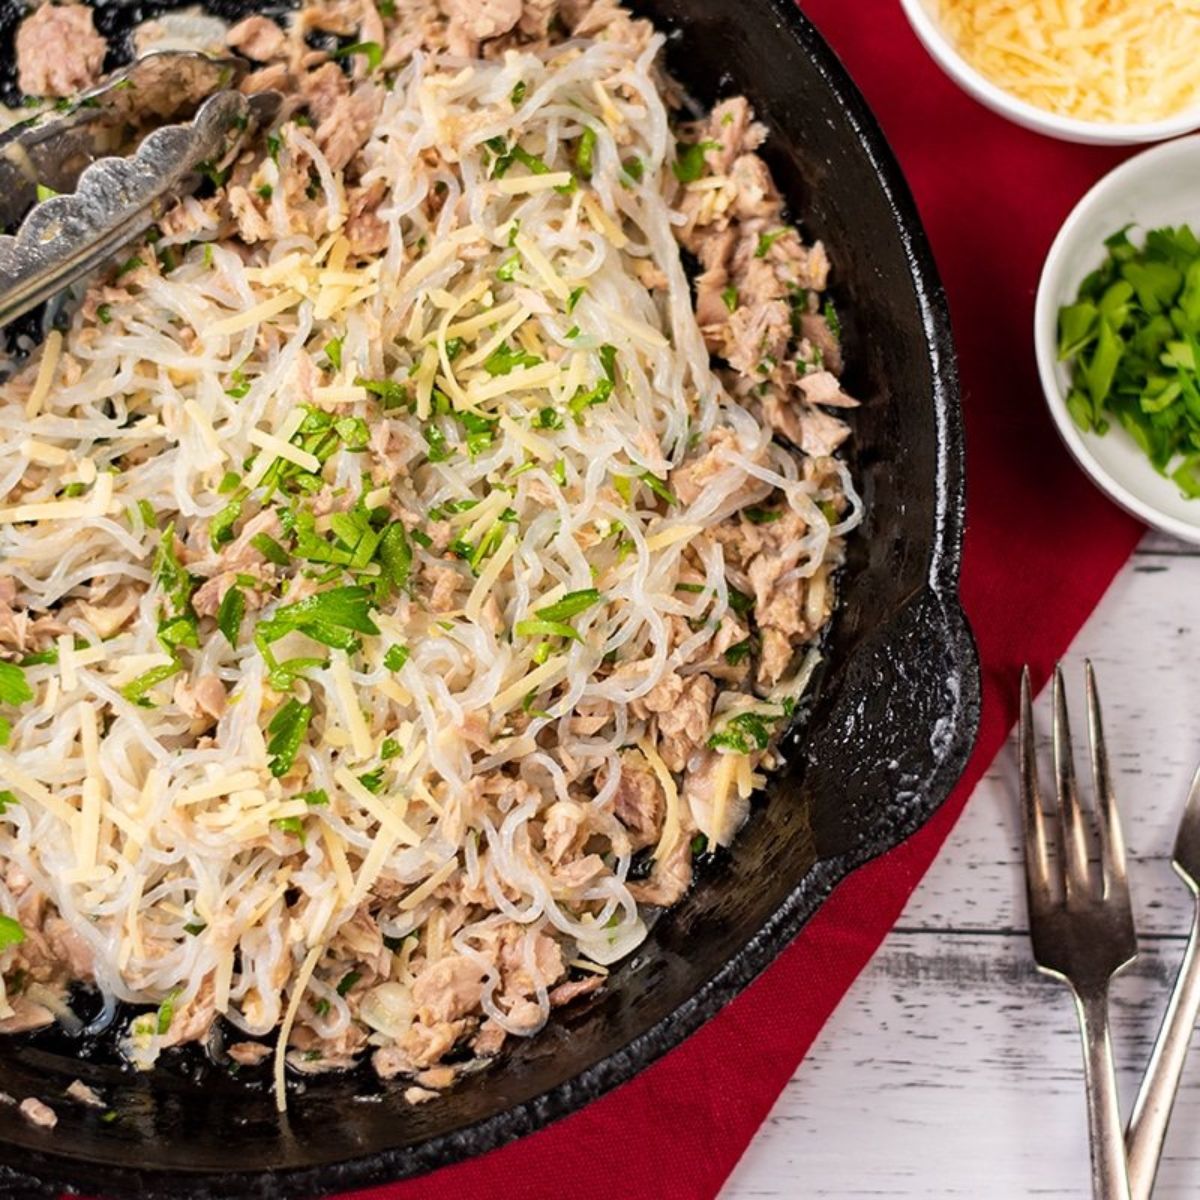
1108, 820
1037, 870
1070, 815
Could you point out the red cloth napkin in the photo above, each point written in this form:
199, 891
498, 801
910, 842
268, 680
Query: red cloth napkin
1042, 546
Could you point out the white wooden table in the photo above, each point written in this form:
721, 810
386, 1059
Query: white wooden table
952, 1068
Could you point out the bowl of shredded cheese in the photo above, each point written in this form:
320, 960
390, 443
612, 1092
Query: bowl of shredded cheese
1105, 72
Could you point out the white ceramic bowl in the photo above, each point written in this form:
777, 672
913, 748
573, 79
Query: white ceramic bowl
946, 55
1161, 186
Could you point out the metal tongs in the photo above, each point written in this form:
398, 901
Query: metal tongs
115, 159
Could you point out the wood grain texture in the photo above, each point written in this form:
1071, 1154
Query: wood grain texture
952, 1068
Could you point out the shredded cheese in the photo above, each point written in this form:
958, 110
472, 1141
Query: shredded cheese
430, 885
671, 822
550, 672
45, 375
281, 448
515, 186
285, 1029
1093, 60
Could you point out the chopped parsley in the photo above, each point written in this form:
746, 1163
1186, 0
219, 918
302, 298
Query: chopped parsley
767, 240
270, 549
11, 933
762, 516
14, 687
658, 487
332, 618
396, 657
136, 689
438, 449
745, 732
174, 632
738, 653
371, 51
391, 393
220, 529
689, 159
287, 731
504, 358
585, 152
170, 574
291, 825
231, 614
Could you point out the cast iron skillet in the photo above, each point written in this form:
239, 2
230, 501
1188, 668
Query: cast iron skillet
886, 738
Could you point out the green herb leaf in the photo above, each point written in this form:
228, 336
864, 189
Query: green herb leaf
730, 297
291, 825
585, 152
504, 358
571, 605
135, 690
14, 687
762, 516
270, 549
166, 1012
220, 529
689, 160
330, 617
743, 734
439, 450
178, 631
231, 614
740, 602
739, 652
11, 933
170, 574
518, 93
767, 240
372, 781
389, 391
348, 981
395, 555
396, 657
542, 628
372, 51
658, 487
287, 731
333, 352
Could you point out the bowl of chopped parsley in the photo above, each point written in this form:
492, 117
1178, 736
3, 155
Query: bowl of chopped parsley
1117, 335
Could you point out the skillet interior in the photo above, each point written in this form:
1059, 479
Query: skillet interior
886, 738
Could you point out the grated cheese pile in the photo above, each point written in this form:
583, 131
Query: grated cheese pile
331, 581
1124, 61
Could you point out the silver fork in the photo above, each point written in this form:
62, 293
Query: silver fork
1081, 926
1152, 1110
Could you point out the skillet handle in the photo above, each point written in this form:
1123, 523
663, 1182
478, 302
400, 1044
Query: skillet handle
894, 736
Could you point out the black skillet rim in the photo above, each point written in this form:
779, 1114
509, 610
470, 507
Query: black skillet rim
48, 1174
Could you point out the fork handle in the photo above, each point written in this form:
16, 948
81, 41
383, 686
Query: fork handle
1110, 1179
1152, 1110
